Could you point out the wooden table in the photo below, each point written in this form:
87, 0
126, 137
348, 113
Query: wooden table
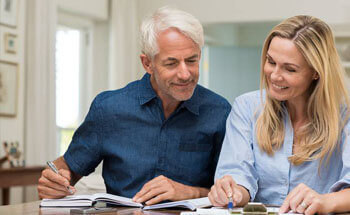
17, 176
32, 208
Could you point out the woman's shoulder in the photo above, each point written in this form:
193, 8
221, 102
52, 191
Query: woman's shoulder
253, 98
250, 104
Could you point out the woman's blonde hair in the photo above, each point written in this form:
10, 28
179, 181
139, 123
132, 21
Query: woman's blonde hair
319, 137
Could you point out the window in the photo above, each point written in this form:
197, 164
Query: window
70, 61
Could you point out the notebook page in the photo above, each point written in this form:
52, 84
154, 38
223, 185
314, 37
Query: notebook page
115, 199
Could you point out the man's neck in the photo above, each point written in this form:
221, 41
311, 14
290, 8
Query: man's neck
169, 107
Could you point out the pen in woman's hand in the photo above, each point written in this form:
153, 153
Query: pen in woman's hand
54, 168
230, 204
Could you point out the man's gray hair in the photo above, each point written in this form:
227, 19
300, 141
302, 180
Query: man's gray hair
163, 19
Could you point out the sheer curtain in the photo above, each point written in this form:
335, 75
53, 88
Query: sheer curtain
39, 134
40, 86
124, 48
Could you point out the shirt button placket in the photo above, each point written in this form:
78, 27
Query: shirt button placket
162, 147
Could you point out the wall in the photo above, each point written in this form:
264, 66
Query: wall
224, 11
96, 9
234, 51
12, 128
234, 70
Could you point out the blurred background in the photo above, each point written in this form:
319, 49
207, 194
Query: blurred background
64, 52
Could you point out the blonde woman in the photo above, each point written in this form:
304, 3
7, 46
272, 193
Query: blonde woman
287, 144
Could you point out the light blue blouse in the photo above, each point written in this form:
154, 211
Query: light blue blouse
270, 178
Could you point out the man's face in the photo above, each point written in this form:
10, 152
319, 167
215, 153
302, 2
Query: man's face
175, 69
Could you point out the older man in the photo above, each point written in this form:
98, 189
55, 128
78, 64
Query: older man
159, 137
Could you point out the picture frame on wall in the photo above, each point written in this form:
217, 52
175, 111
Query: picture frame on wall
8, 88
10, 41
8, 12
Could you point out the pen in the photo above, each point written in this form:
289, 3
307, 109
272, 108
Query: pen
230, 204
54, 168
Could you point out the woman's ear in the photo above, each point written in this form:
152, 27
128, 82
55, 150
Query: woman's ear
316, 76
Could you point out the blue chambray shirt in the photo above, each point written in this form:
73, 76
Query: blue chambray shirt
126, 129
270, 178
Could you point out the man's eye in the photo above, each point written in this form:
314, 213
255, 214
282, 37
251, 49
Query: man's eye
170, 64
192, 61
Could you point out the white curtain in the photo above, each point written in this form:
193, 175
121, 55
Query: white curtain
40, 135
124, 48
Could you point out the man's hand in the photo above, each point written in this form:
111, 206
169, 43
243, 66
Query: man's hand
52, 185
162, 188
226, 187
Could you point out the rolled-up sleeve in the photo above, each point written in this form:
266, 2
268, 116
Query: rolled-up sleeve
84, 152
236, 157
344, 179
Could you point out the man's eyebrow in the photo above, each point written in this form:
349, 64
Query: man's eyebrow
175, 59
170, 59
192, 57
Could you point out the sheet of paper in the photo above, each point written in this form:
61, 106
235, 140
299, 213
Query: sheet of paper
224, 211
188, 213
215, 211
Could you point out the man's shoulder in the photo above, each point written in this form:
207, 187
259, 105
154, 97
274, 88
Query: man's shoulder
209, 97
128, 91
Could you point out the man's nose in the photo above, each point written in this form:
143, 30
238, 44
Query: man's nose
184, 72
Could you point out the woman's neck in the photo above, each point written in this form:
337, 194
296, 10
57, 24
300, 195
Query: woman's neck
297, 113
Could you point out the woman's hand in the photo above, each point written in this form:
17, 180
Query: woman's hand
303, 199
224, 188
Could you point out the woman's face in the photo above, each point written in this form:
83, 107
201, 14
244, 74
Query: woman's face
288, 74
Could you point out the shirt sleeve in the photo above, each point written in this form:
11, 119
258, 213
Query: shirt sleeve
236, 157
84, 152
344, 179
218, 140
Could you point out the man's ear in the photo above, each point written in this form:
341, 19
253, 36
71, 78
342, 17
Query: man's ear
146, 63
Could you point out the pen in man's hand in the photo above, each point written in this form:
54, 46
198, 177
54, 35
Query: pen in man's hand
54, 168
230, 204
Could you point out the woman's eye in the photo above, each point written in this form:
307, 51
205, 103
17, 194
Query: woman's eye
271, 62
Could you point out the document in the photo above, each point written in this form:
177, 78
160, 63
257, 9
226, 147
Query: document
191, 204
237, 210
88, 200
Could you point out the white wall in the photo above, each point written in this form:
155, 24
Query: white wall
12, 128
223, 11
96, 9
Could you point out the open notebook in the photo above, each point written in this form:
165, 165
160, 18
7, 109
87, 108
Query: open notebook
88, 200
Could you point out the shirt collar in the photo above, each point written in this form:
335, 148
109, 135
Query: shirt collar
193, 103
147, 93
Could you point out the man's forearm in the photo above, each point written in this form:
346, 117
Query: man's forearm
61, 164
